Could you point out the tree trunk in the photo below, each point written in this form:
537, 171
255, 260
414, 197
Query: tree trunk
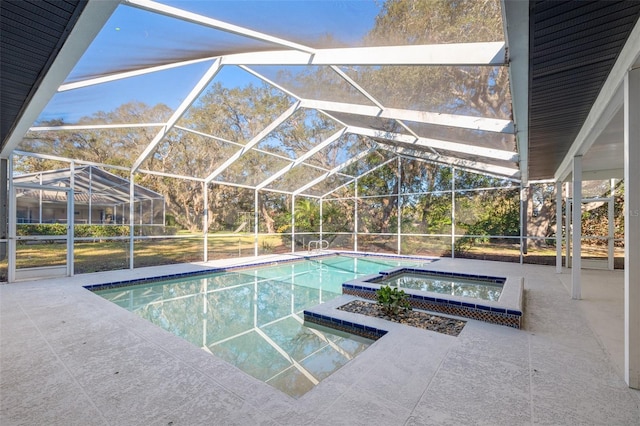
267, 219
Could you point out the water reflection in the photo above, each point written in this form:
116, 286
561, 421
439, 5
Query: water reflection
252, 319
445, 285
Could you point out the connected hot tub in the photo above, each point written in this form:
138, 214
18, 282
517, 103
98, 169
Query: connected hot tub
492, 299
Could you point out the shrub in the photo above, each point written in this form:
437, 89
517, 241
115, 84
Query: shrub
42, 229
100, 231
392, 299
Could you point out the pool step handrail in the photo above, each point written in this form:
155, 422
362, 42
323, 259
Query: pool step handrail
318, 245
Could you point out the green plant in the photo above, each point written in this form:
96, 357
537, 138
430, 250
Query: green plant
101, 231
42, 229
392, 299
267, 246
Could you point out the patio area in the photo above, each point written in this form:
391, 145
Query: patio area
71, 357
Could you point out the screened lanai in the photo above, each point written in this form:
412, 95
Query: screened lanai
274, 134
277, 127
100, 197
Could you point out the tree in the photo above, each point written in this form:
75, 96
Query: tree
307, 215
223, 119
119, 146
477, 91
378, 212
468, 90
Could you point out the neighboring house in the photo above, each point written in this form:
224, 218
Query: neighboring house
100, 197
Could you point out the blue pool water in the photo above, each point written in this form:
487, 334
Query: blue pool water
253, 318
455, 286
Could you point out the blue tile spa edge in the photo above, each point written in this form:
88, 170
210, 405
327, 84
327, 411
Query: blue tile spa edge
487, 311
350, 327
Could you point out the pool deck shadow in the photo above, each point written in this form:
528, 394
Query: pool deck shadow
69, 357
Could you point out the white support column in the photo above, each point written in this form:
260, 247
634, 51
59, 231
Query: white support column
71, 217
293, 224
321, 218
205, 222
4, 207
90, 221
12, 213
399, 206
255, 223
524, 194
567, 224
355, 217
453, 212
39, 203
612, 227
558, 227
632, 228
576, 271
132, 189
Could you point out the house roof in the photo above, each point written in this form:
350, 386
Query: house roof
574, 46
33, 32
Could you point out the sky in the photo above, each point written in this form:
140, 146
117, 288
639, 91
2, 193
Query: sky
133, 39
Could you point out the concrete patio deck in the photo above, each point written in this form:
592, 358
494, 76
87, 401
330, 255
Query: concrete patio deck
69, 357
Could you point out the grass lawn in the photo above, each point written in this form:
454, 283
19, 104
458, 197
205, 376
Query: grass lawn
109, 255
106, 255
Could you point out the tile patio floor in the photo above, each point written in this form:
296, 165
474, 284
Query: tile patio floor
69, 357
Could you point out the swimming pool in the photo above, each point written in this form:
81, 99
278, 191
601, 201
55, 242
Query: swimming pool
253, 317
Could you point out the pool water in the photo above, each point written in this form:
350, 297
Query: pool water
253, 318
458, 286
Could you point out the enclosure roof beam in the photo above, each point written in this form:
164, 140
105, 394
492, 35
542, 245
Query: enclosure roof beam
496, 154
335, 170
209, 136
170, 175
440, 119
93, 127
303, 158
362, 175
261, 151
356, 86
253, 142
270, 82
195, 18
178, 113
515, 18
461, 54
511, 173
123, 75
454, 54
400, 115
68, 160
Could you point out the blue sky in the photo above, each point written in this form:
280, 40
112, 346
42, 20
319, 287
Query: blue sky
133, 39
